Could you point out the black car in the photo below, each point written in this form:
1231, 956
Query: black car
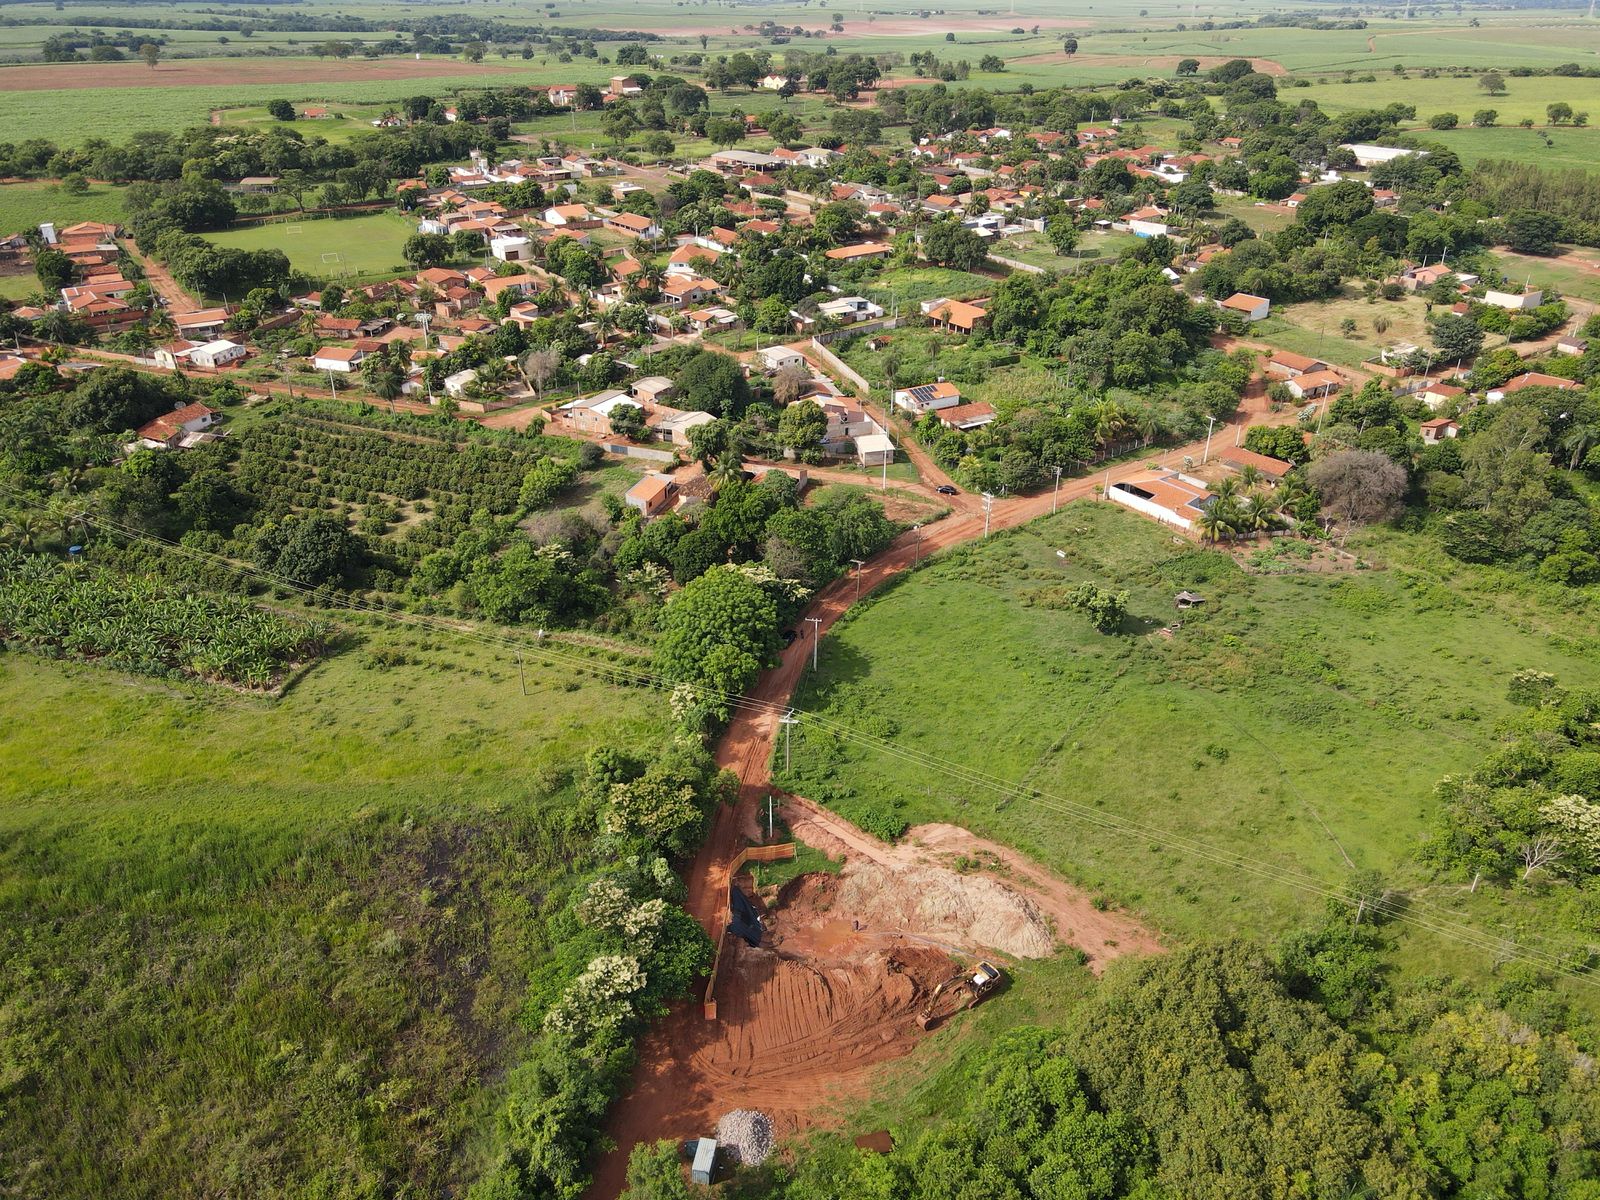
789, 636
944, 489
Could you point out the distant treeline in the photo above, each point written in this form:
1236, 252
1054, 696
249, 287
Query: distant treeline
454, 27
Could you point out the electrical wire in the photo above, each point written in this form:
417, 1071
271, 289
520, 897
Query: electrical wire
1397, 909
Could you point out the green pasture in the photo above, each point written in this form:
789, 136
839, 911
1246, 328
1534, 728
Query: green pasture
326, 909
1463, 95
912, 285
18, 287
1295, 719
26, 204
1313, 328
1547, 273
69, 116
1566, 147
1259, 217
367, 246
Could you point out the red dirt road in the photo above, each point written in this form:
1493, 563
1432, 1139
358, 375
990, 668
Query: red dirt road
679, 1082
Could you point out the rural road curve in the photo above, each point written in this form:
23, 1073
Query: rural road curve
746, 747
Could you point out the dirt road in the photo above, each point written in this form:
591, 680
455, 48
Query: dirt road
161, 281
679, 1083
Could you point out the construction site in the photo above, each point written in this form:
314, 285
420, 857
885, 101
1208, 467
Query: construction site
821, 980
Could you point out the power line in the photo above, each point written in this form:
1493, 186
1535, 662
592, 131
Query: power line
1442, 925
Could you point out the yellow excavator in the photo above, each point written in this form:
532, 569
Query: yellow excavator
960, 991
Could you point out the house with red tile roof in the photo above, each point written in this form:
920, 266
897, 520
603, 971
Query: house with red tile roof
170, 430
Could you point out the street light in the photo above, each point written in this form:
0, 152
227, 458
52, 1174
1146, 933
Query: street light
988, 507
1210, 422
859, 564
1055, 494
816, 638
916, 547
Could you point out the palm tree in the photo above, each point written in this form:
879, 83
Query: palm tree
1226, 491
1213, 522
729, 467
1249, 477
383, 376
1149, 425
1257, 516
1582, 435
65, 513
66, 479
1110, 419
23, 526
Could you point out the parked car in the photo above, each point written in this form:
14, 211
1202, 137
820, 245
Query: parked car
944, 489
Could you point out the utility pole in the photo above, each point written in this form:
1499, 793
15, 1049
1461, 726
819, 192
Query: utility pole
1210, 423
816, 638
521, 674
788, 720
988, 507
1054, 496
859, 564
916, 546
333, 388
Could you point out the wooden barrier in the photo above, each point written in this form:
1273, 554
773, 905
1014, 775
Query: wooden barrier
778, 853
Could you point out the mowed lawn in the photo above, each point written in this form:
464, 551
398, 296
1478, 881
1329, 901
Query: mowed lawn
1294, 720
367, 246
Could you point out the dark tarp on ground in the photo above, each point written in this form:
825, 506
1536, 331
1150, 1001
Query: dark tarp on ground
743, 921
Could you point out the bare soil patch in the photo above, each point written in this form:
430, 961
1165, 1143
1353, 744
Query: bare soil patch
802, 1021
223, 71
944, 882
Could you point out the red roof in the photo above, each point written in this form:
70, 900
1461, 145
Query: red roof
168, 425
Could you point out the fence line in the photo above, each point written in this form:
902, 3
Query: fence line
1017, 265
779, 853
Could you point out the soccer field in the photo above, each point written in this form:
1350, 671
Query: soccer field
330, 247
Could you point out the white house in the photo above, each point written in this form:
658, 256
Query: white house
1251, 308
928, 397
874, 449
178, 427
1369, 155
1515, 301
342, 359
1147, 222
1172, 498
775, 358
456, 385
511, 248
847, 310
218, 353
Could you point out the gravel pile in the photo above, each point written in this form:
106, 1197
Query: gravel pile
746, 1135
